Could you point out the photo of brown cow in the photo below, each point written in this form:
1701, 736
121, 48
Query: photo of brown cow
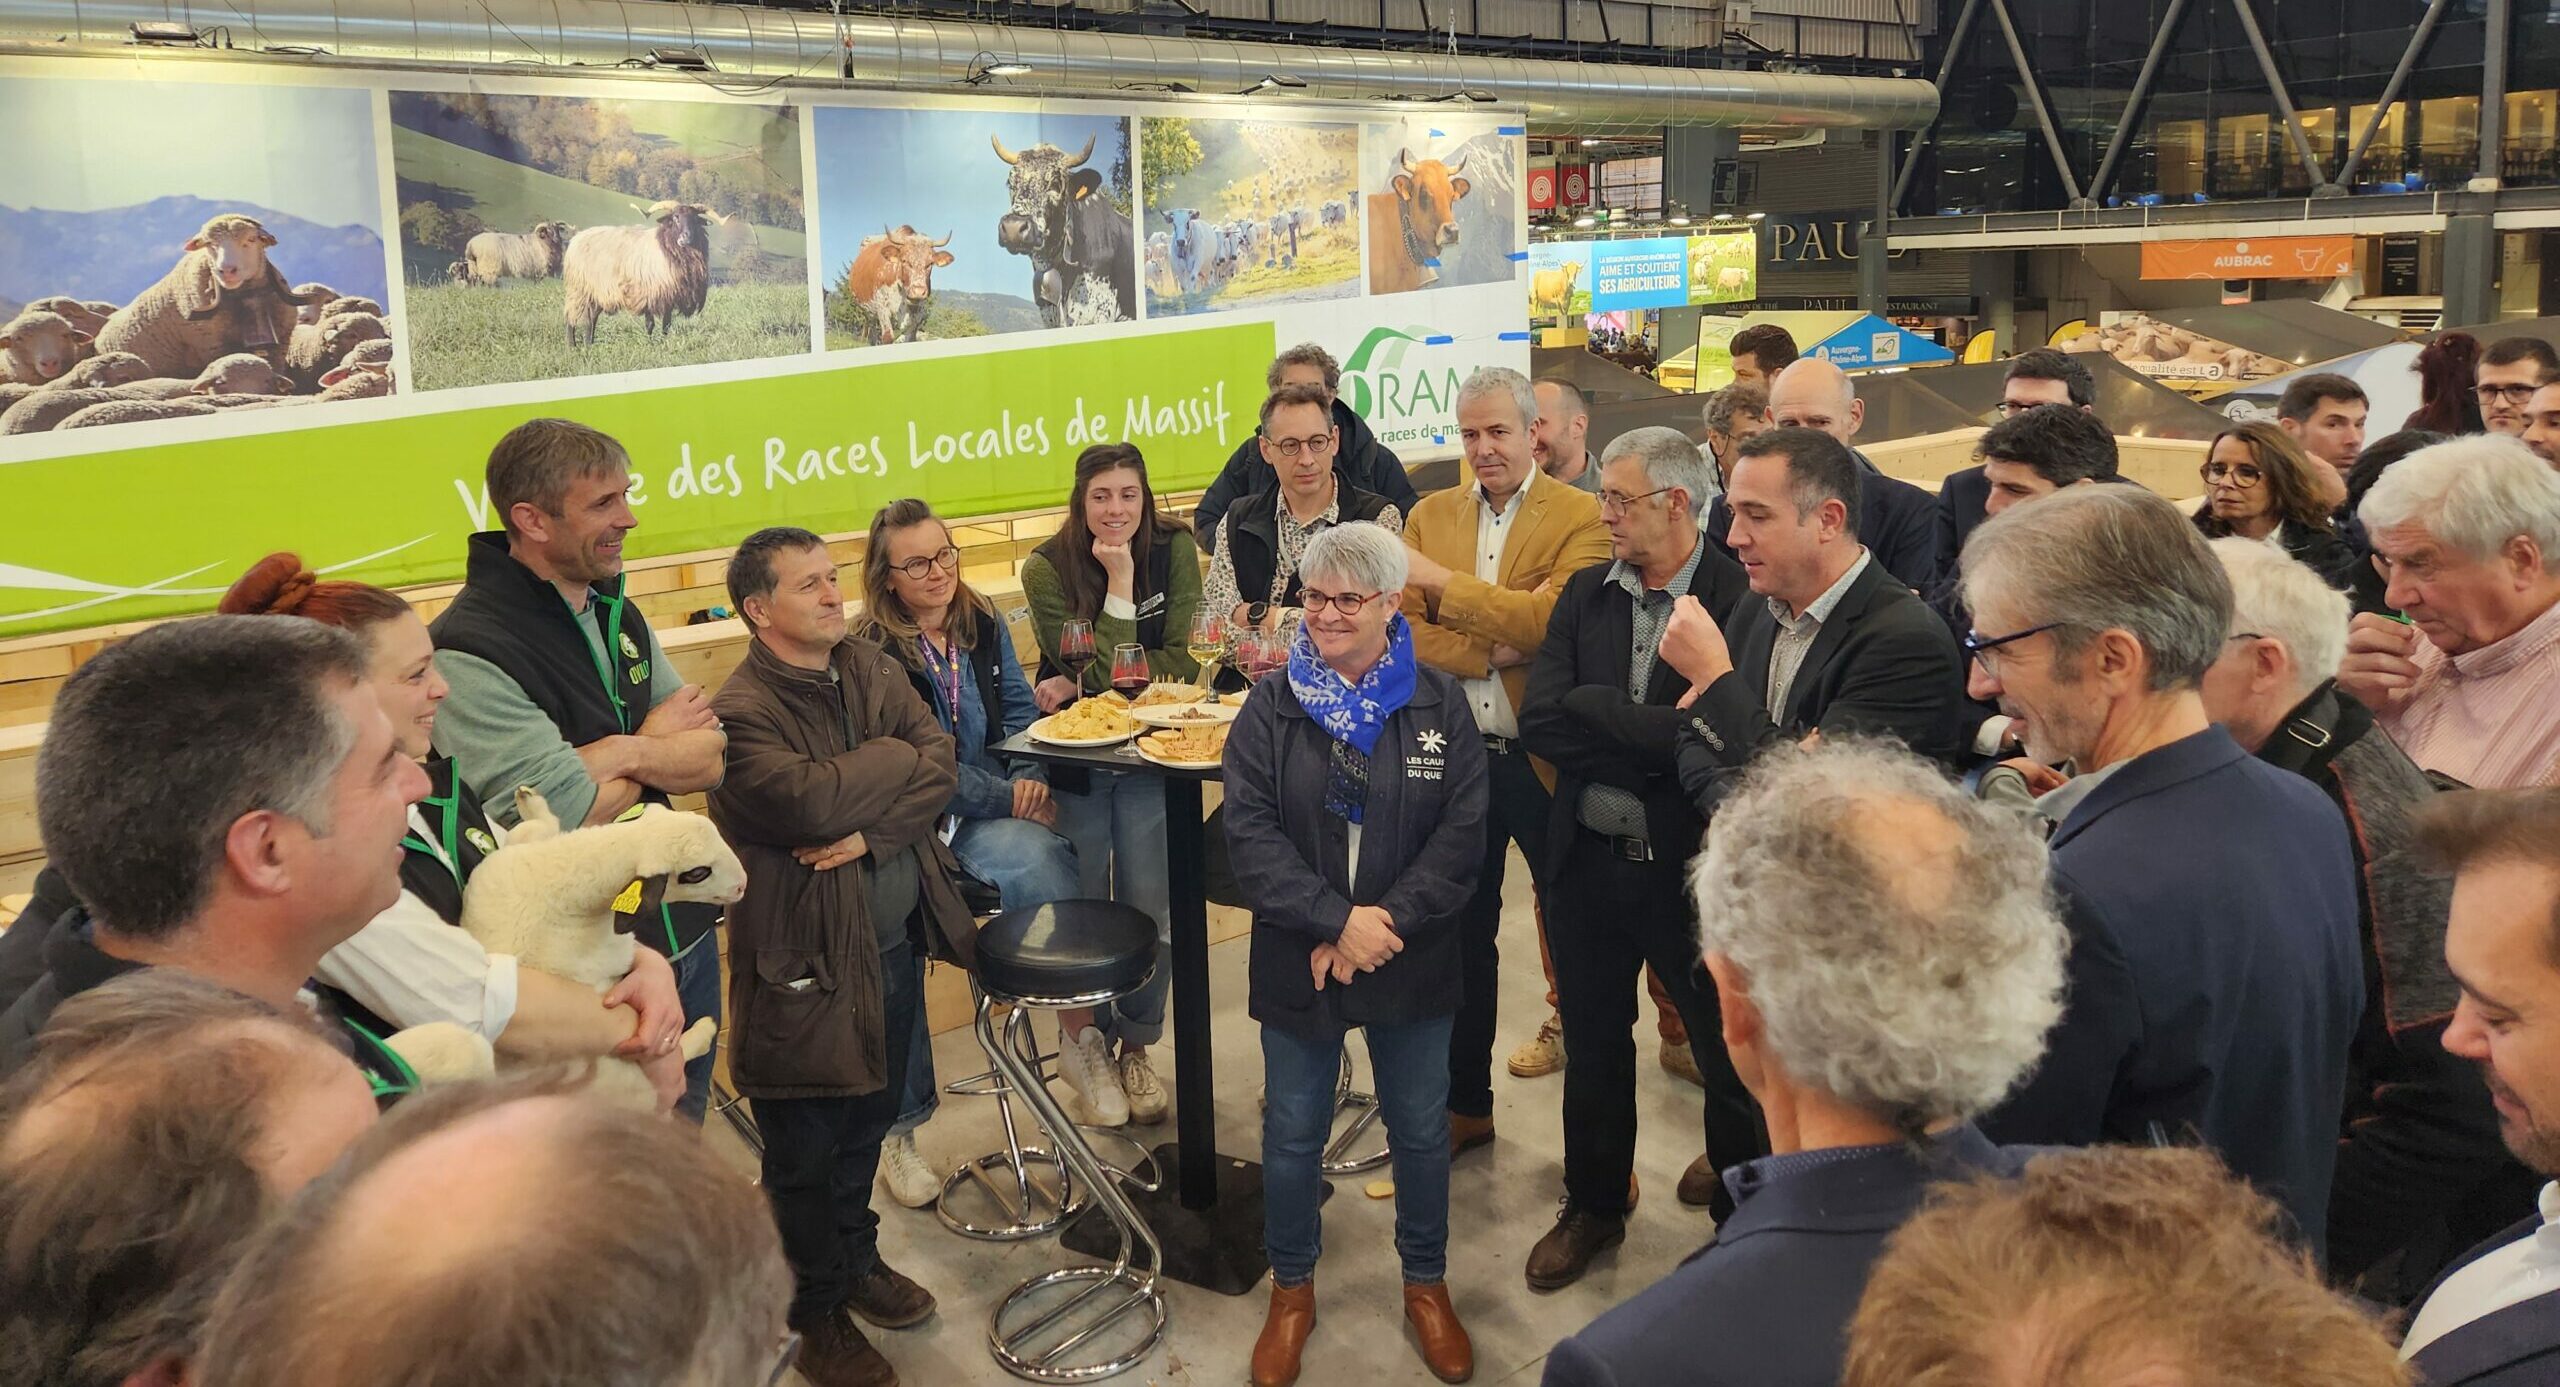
1439, 201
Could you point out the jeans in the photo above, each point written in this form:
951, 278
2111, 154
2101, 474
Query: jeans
1515, 812
1410, 1064
698, 988
1028, 865
1118, 831
1612, 918
820, 1155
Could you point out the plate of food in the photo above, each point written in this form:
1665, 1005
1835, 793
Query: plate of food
1098, 721
1184, 714
1164, 693
1236, 699
1185, 748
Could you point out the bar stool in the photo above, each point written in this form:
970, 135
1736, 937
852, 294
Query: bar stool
1338, 1156
1061, 955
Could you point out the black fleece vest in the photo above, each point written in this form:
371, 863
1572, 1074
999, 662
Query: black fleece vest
1255, 533
460, 830
1157, 587
507, 615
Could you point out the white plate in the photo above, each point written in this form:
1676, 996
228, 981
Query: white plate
1109, 739
1197, 714
1145, 754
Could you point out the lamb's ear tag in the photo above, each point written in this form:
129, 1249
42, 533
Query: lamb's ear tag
628, 901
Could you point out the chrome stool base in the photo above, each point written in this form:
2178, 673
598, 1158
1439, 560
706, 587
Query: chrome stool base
1338, 1156
1137, 1291
1024, 1204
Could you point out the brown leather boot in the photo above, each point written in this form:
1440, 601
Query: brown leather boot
1284, 1335
1698, 1184
1445, 1348
834, 1353
1468, 1133
1565, 1253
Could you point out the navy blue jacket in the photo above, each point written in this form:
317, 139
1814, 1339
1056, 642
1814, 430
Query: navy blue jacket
1964, 502
2215, 981
2516, 1347
1898, 522
1767, 1304
1421, 844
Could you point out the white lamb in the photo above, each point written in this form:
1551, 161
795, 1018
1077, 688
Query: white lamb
547, 898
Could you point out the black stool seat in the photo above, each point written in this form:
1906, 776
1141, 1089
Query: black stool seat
1067, 949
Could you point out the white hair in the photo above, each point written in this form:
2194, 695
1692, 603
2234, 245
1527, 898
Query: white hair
1668, 459
1916, 999
2280, 597
1503, 381
1370, 557
2474, 494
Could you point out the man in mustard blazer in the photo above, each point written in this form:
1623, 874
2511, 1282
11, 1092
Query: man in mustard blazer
1489, 560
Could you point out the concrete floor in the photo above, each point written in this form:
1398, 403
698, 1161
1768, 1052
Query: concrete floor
1503, 1198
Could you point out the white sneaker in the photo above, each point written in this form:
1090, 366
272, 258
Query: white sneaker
1147, 1101
905, 1175
1085, 1063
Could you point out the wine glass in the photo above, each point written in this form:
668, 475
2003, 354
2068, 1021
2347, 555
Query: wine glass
1260, 652
1129, 674
1075, 649
1209, 636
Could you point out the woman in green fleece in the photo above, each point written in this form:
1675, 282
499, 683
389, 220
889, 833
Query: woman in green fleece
1132, 571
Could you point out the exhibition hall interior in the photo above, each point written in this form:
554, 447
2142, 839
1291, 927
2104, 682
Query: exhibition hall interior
1579, 693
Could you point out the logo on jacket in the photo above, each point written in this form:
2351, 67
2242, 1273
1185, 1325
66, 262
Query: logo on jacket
630, 647
1433, 740
1427, 763
479, 838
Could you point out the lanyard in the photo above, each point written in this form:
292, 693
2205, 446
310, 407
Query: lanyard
935, 668
404, 1080
452, 807
608, 627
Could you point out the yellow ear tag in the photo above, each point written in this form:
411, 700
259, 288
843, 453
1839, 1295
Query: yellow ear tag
628, 901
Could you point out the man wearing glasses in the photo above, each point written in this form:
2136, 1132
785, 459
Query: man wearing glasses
1600, 709
2509, 372
2215, 984
1253, 575
2042, 376
1362, 461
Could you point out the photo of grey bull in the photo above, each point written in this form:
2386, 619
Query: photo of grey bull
1079, 245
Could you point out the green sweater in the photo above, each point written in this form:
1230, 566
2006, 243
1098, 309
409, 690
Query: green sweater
1049, 613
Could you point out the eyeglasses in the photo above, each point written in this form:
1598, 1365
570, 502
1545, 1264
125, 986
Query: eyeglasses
945, 557
1347, 603
1318, 444
2239, 474
2245, 636
786, 1355
1980, 646
2512, 394
1611, 503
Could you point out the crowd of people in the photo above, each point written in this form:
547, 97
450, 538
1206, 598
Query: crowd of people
2113, 941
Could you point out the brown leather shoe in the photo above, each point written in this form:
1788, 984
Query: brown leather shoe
1445, 1348
834, 1353
1284, 1335
1468, 1133
888, 1299
1565, 1253
1699, 1183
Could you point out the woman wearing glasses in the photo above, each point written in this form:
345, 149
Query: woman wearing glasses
960, 658
1125, 574
1355, 819
1253, 567
2259, 484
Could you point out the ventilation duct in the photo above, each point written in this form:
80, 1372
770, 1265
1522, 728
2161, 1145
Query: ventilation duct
1562, 97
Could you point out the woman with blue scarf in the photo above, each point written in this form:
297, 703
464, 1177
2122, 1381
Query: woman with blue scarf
1355, 803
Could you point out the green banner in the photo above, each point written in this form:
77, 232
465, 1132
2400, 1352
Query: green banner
389, 501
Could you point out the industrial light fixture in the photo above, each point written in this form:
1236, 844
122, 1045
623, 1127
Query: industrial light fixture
680, 59
1755, 216
1679, 215
166, 31
987, 65
1590, 143
1274, 80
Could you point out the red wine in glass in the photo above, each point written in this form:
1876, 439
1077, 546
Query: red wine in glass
1075, 649
1129, 675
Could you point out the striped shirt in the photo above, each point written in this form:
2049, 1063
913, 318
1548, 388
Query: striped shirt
2487, 717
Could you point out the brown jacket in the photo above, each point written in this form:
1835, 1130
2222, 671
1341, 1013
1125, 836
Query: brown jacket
1557, 535
811, 760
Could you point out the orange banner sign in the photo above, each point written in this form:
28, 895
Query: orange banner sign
2269, 257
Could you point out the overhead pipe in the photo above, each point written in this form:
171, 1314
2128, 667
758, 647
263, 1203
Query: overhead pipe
911, 53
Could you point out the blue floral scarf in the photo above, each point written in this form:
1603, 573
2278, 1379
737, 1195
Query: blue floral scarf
1353, 715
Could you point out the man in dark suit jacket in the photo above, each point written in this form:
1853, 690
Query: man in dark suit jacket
2215, 980
2493, 1320
1868, 1090
1600, 710
1833, 643
2041, 376
1897, 521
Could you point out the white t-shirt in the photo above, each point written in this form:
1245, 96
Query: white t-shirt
2518, 1272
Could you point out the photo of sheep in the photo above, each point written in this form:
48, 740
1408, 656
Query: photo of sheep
936, 224
144, 277
1248, 212
1440, 201
550, 236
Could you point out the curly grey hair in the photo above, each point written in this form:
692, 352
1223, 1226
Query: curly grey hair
1900, 938
1369, 557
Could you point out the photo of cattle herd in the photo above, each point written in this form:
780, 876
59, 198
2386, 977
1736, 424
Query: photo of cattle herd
539, 237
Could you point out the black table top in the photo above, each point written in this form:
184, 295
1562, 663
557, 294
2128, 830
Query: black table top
1120, 757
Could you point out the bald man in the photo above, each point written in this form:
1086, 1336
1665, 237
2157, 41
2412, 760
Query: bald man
512, 1232
1898, 522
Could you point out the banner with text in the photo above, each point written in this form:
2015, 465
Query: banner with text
790, 308
2259, 257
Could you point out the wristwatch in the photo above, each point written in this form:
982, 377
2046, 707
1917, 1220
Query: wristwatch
1254, 612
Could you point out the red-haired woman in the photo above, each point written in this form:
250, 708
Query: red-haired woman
412, 964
